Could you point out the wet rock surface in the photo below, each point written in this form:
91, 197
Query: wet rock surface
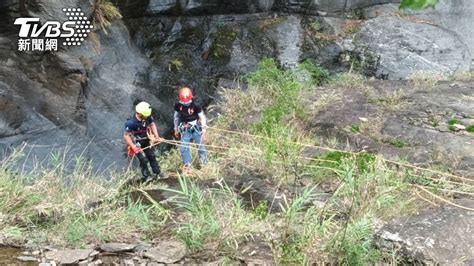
8, 256
256, 252
441, 236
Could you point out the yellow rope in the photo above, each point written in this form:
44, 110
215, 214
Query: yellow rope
174, 142
252, 151
349, 152
425, 199
180, 144
444, 200
423, 188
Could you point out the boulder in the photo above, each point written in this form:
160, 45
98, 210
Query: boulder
68, 256
443, 236
27, 259
454, 17
117, 247
167, 252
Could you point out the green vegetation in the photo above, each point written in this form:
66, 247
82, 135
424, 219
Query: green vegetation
470, 128
434, 121
224, 37
417, 4
355, 128
319, 75
316, 30
261, 210
175, 64
299, 224
103, 14
452, 124
398, 143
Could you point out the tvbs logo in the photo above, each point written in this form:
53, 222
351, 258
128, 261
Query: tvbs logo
36, 37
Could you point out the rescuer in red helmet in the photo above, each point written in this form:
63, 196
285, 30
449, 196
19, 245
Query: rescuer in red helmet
189, 125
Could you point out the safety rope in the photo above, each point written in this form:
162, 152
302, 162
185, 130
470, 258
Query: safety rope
349, 152
172, 142
444, 200
260, 152
417, 187
182, 144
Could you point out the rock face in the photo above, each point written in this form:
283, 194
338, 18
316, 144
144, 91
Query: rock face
401, 121
212, 7
405, 47
444, 236
454, 17
77, 98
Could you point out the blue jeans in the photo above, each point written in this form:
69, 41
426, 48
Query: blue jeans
186, 137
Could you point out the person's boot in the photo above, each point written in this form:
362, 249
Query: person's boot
203, 161
145, 173
187, 169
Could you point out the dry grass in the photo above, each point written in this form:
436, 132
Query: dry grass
322, 100
463, 76
350, 26
57, 204
391, 101
373, 128
270, 22
351, 81
103, 13
214, 222
425, 80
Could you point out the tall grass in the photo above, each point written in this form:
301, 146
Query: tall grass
65, 204
213, 216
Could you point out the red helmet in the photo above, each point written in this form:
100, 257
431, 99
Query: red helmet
185, 95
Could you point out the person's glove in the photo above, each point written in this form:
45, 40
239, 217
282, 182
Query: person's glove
176, 134
136, 150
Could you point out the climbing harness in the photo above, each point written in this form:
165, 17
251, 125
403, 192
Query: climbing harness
136, 140
190, 127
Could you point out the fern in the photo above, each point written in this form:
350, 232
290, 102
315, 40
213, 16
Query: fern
358, 243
